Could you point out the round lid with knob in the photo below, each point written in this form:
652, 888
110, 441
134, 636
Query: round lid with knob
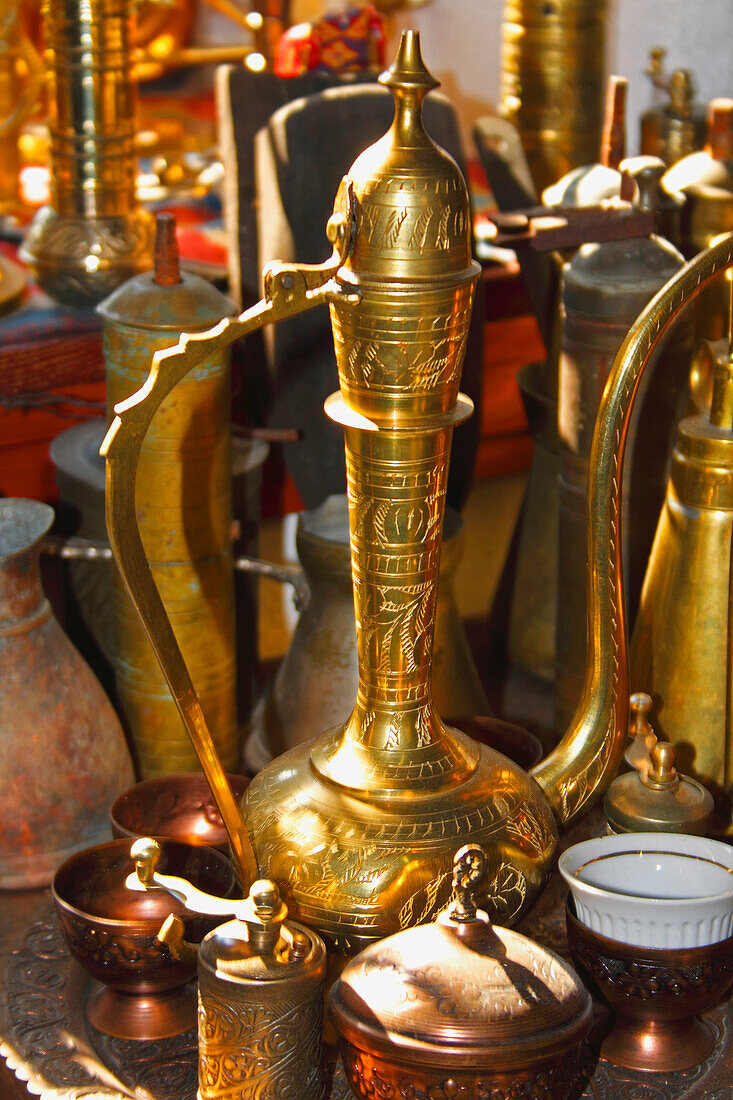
461, 987
655, 797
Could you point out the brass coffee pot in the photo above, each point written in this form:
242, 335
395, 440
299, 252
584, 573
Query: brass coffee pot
359, 826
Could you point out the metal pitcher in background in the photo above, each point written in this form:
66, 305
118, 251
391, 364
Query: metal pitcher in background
605, 286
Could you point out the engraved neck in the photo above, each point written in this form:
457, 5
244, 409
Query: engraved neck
394, 740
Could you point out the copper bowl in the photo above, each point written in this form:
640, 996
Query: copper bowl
180, 807
112, 932
656, 996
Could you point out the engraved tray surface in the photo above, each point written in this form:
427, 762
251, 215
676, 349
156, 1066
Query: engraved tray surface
46, 1040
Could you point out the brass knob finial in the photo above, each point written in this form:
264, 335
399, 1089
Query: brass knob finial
146, 853
408, 72
469, 869
662, 774
640, 704
265, 898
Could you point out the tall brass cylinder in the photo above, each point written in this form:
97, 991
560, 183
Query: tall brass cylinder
552, 81
183, 504
93, 235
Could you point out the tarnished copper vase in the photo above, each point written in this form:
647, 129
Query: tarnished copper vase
64, 757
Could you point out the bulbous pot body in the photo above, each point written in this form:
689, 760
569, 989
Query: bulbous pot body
63, 751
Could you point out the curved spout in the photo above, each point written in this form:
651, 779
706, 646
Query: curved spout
585, 760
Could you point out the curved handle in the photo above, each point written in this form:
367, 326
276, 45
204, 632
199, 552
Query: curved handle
585, 760
289, 289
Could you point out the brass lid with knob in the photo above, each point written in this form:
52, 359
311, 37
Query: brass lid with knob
654, 797
459, 998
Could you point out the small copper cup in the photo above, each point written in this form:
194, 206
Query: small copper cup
180, 807
112, 932
656, 995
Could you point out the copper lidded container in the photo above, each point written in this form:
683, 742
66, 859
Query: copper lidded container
461, 1008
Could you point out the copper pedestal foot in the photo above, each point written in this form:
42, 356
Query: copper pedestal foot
662, 1046
142, 1015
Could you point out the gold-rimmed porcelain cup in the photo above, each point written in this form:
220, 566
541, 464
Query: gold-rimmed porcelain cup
658, 890
650, 927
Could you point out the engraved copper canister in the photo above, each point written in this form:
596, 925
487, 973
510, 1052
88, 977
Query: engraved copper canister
604, 287
184, 510
93, 235
261, 1005
461, 1008
681, 649
360, 825
552, 79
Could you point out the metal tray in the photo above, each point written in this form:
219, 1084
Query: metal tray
47, 1042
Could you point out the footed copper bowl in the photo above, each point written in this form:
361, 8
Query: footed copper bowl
180, 807
656, 996
112, 931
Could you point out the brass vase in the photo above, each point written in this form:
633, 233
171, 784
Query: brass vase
360, 826
93, 235
184, 510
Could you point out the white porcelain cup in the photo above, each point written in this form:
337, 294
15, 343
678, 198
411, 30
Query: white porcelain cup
665, 890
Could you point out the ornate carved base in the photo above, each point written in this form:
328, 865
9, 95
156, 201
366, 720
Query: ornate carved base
79, 261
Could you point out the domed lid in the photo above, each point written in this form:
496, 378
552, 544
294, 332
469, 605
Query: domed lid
412, 201
461, 987
166, 298
655, 797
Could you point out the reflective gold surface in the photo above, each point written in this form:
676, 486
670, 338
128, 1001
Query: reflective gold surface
93, 235
682, 643
20, 83
360, 826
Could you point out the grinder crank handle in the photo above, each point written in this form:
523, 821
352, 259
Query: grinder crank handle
289, 289
263, 912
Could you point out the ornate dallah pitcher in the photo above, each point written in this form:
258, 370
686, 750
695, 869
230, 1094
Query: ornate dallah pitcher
359, 826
